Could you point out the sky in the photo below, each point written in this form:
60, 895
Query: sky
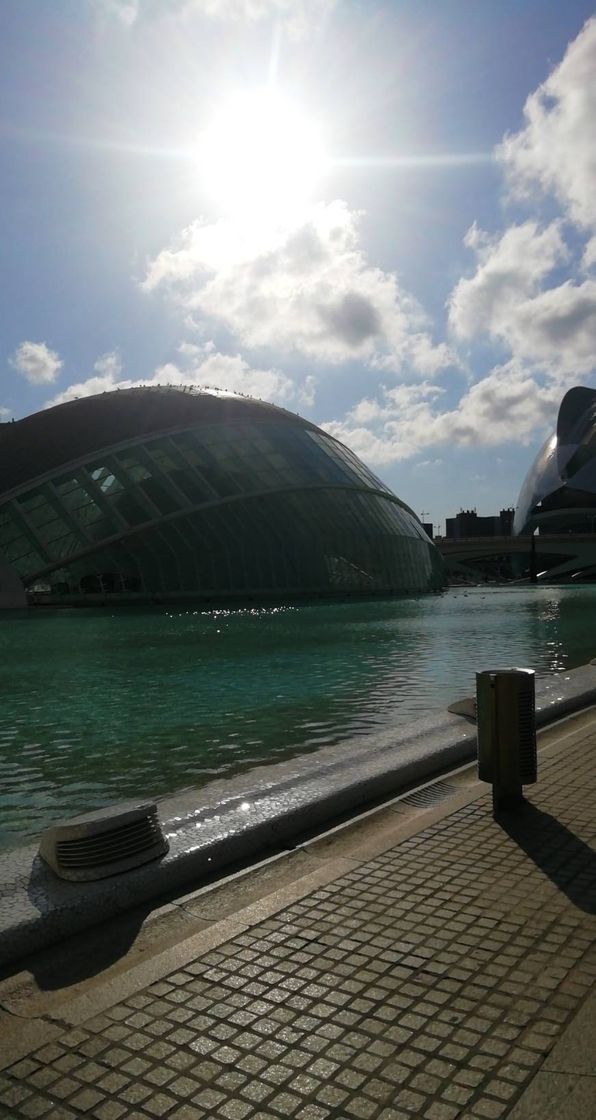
380, 215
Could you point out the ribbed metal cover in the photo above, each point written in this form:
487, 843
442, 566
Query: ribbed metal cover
429, 795
104, 843
528, 756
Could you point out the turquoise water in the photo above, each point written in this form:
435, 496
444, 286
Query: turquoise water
99, 706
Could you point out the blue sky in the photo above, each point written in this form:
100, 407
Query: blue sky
379, 215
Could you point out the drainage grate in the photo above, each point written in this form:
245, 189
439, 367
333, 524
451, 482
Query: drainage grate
429, 795
104, 843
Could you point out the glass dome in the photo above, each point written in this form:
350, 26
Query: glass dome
161, 493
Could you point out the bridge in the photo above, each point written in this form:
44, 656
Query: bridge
550, 556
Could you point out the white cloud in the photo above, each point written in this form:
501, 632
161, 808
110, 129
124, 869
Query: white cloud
391, 428
86, 388
299, 17
428, 465
200, 366
556, 150
589, 257
304, 287
108, 368
557, 329
509, 405
552, 328
205, 366
109, 365
36, 362
125, 11
510, 269
4, 413
528, 292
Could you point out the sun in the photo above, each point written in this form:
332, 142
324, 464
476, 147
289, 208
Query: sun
260, 156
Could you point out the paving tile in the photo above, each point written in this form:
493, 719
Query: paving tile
576, 1050
87, 1100
187, 1112
160, 1104
35, 1107
429, 982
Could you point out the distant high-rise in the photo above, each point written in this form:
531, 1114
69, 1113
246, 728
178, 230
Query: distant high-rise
467, 523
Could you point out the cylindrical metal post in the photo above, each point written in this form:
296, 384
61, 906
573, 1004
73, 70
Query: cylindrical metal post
506, 733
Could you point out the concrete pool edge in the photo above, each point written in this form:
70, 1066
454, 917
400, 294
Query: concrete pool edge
258, 812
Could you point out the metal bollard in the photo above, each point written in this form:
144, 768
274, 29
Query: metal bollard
506, 721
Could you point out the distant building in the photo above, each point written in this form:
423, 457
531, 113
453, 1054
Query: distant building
467, 523
506, 522
428, 529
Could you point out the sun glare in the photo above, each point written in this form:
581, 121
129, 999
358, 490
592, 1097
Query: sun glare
260, 156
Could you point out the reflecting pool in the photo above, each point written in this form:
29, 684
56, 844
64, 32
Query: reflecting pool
100, 706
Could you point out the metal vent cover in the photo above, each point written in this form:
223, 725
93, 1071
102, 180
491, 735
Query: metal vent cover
429, 795
107, 842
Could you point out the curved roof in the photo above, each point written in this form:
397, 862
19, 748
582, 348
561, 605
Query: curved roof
563, 474
576, 409
55, 436
164, 490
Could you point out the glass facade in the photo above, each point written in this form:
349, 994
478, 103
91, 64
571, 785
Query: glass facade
263, 504
559, 492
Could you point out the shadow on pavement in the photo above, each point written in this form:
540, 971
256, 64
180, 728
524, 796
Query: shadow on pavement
88, 953
569, 862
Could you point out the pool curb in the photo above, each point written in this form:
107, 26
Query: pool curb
263, 811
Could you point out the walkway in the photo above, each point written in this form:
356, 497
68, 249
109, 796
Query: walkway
425, 962
558, 553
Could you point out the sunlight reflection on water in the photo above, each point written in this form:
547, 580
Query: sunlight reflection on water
99, 707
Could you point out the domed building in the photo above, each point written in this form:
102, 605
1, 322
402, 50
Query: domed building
165, 493
559, 492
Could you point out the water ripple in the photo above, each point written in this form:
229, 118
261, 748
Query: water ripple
99, 707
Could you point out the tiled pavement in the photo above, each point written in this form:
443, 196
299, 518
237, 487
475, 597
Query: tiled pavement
430, 981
